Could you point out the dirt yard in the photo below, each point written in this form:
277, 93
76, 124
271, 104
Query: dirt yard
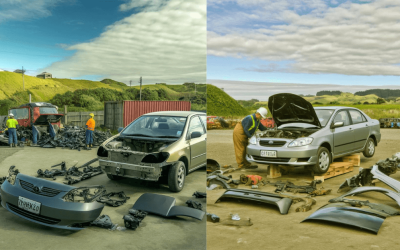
155, 232
271, 230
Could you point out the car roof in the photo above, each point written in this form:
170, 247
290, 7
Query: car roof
176, 113
335, 107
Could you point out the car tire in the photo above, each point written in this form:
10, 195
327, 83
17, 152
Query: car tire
369, 149
323, 161
114, 177
176, 176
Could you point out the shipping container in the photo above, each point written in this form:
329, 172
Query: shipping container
121, 113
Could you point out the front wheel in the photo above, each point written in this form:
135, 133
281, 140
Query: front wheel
369, 149
323, 161
176, 176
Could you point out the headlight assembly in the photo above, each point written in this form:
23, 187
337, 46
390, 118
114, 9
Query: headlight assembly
253, 140
12, 175
299, 142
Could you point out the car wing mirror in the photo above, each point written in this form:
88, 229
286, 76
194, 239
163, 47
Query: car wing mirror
120, 129
337, 124
195, 134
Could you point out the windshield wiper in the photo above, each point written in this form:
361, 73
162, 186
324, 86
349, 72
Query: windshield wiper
139, 135
166, 136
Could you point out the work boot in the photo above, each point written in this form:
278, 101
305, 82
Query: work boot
14, 145
87, 147
34, 144
91, 145
11, 145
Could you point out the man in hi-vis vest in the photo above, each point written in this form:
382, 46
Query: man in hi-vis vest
241, 134
90, 124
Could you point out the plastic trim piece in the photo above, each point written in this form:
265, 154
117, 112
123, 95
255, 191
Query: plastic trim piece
393, 195
281, 202
351, 216
395, 184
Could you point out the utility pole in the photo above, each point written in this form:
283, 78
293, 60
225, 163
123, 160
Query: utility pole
130, 83
23, 82
195, 89
140, 81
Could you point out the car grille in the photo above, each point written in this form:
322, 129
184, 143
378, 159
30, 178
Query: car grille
276, 144
32, 216
45, 191
271, 159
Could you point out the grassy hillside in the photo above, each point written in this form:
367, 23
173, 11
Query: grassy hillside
221, 104
344, 98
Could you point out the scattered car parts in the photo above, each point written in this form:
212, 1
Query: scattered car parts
104, 221
113, 199
358, 190
134, 218
194, 204
388, 210
198, 194
283, 203
213, 218
165, 206
368, 220
310, 189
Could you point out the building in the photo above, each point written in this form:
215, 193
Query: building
45, 75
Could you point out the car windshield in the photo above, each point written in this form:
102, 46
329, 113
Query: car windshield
324, 115
48, 110
156, 126
22, 113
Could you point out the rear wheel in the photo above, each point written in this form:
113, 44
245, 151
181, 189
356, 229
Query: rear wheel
176, 176
323, 161
369, 149
114, 177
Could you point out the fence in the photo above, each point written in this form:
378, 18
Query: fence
80, 118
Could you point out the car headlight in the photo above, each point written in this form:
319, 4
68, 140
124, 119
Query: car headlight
12, 175
299, 142
253, 140
84, 194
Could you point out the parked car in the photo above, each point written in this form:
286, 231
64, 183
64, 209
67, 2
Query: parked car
168, 143
312, 137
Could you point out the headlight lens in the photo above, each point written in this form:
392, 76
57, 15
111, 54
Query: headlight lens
253, 140
300, 142
12, 175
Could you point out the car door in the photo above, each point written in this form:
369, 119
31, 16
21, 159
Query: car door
360, 129
197, 145
343, 137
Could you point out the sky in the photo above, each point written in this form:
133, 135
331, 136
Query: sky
344, 42
160, 40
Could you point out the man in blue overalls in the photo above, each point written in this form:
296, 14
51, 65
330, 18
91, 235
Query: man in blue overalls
245, 130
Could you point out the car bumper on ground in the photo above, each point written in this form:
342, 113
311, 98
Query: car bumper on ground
296, 156
150, 171
54, 211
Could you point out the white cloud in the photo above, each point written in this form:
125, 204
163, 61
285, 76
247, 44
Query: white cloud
168, 45
148, 5
25, 9
351, 39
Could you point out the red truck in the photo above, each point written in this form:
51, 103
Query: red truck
38, 114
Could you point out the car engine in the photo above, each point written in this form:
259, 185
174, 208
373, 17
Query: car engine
286, 133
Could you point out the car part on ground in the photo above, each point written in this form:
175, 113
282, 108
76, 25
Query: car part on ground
395, 184
213, 218
212, 166
310, 189
49, 203
165, 206
199, 195
194, 204
113, 199
283, 203
249, 180
133, 219
88, 172
104, 221
359, 190
347, 215
390, 211
308, 202
218, 180
54, 172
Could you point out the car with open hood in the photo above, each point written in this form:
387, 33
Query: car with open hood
312, 137
167, 144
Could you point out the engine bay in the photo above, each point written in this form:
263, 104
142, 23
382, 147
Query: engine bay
144, 146
287, 133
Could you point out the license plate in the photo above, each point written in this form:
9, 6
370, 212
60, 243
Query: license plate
265, 153
29, 205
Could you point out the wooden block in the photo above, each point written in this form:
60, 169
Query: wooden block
274, 171
355, 159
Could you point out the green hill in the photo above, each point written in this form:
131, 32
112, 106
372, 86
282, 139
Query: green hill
343, 98
220, 103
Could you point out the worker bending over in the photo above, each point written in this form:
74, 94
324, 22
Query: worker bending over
90, 124
241, 134
12, 130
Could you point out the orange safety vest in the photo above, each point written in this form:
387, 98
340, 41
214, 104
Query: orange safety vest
90, 124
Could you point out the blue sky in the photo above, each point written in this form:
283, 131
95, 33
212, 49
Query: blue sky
304, 41
94, 39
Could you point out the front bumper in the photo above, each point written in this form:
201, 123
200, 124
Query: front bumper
143, 171
54, 211
296, 156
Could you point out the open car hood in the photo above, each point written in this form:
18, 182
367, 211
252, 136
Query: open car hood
289, 108
44, 119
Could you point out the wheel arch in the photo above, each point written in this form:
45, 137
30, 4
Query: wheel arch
185, 160
328, 146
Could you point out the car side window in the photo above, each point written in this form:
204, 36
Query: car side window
342, 116
196, 126
357, 117
204, 120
